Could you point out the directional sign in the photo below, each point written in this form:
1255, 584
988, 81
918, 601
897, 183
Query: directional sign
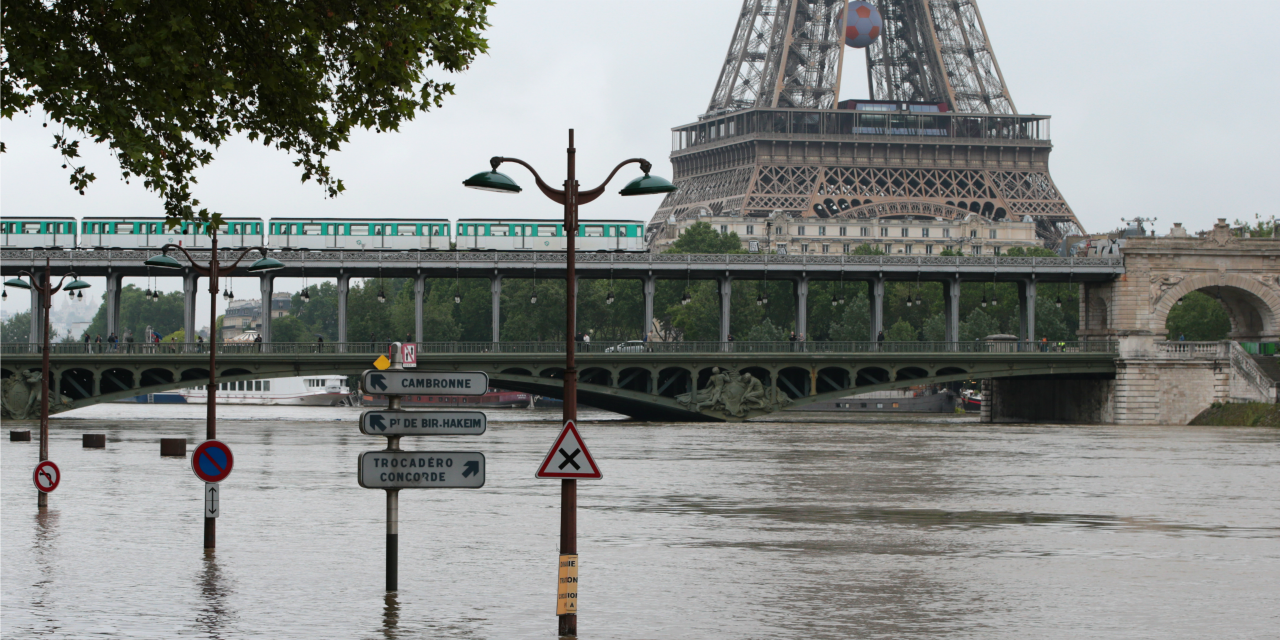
47, 476
211, 506
423, 423
212, 461
409, 355
421, 470
569, 458
450, 383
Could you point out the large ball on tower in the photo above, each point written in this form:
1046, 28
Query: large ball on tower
862, 24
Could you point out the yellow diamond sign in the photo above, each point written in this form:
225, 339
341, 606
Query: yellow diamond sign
382, 363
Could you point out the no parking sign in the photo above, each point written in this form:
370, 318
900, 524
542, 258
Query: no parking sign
212, 461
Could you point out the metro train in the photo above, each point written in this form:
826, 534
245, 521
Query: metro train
319, 234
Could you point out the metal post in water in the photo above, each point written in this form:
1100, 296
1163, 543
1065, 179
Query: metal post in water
393, 539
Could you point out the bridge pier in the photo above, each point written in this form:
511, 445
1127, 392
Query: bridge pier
726, 294
495, 290
1027, 310
877, 307
802, 306
344, 285
190, 289
419, 290
37, 310
266, 285
650, 290
951, 308
114, 281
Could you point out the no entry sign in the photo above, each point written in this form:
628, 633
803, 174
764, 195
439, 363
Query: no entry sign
212, 461
47, 476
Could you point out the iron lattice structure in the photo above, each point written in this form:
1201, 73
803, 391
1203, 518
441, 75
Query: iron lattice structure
943, 134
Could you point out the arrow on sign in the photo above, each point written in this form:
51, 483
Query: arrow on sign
472, 467
377, 381
376, 422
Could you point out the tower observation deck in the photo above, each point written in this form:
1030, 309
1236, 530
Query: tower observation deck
940, 137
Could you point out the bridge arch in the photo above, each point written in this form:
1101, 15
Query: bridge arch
1252, 303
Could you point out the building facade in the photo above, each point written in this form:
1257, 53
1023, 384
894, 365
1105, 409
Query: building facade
246, 315
908, 235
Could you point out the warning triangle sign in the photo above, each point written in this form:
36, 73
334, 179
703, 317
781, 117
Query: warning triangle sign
569, 458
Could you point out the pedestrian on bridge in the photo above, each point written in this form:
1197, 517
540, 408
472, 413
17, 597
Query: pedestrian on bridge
87, 347
199, 344
97, 343
128, 340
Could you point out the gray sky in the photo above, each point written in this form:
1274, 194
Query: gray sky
1159, 109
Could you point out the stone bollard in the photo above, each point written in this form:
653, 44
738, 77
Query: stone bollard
173, 447
94, 441
20, 436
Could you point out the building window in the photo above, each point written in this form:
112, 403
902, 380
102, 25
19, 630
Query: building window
993, 234
822, 231
826, 248
846, 247
884, 232
924, 233
973, 233
844, 231
865, 232
946, 233
906, 232
751, 229
907, 249
800, 230
888, 248
948, 248
928, 248
804, 248
995, 251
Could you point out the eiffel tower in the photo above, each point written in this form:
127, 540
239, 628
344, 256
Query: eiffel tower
940, 137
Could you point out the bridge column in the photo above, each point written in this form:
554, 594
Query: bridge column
951, 308
190, 288
495, 290
877, 307
650, 290
266, 285
112, 300
1027, 310
97, 382
726, 293
37, 311
802, 306
419, 291
344, 284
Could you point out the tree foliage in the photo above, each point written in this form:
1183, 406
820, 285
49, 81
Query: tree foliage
1199, 317
700, 237
137, 312
17, 328
165, 82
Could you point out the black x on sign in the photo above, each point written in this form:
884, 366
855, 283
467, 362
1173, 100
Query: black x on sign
569, 458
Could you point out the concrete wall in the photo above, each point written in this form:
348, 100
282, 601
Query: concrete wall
1049, 399
1165, 392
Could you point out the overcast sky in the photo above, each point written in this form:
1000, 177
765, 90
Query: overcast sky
1160, 109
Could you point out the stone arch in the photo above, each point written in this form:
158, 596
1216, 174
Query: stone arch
596, 375
517, 371
796, 382
833, 379
635, 379
867, 376
116, 379
910, 373
1252, 302
157, 375
673, 381
76, 383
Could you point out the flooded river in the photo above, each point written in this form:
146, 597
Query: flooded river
804, 526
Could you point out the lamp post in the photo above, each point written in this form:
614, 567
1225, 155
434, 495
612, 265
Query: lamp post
46, 291
570, 196
213, 272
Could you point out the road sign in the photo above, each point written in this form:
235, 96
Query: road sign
212, 461
421, 470
409, 355
47, 476
423, 423
382, 363
451, 383
568, 458
211, 506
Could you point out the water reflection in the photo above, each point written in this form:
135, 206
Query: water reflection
390, 616
214, 616
44, 554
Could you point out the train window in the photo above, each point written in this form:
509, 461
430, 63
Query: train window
498, 229
359, 230
546, 230
310, 229
593, 231
123, 228
406, 229
31, 227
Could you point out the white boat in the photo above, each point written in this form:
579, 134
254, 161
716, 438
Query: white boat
307, 391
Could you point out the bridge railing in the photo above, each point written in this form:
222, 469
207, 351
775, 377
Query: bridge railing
427, 348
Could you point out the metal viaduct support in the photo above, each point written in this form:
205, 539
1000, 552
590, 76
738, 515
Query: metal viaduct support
708, 381
801, 270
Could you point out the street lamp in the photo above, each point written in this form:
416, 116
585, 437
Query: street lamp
46, 292
571, 197
213, 272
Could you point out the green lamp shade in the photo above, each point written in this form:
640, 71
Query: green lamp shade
647, 184
265, 264
492, 181
163, 261
17, 282
76, 284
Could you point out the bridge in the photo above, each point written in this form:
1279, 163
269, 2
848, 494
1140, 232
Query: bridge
679, 381
649, 268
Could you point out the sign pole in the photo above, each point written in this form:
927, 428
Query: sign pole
568, 622
393, 495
